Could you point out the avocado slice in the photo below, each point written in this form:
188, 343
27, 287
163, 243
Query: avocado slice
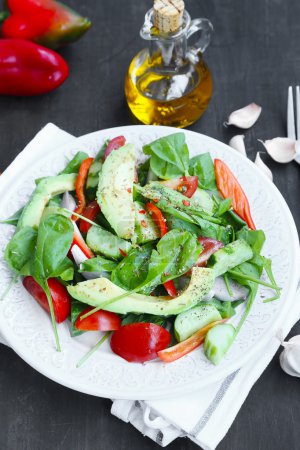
145, 228
100, 291
115, 187
105, 243
46, 189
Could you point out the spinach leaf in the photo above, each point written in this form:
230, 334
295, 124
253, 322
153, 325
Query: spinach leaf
76, 309
226, 309
75, 163
65, 270
132, 270
147, 318
255, 238
181, 224
100, 154
202, 166
177, 251
223, 207
143, 170
14, 219
98, 264
20, 248
169, 156
213, 230
234, 220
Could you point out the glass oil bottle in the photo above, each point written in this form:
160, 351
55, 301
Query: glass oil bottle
169, 83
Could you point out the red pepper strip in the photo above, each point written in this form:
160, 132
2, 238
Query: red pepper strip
229, 187
60, 297
90, 212
80, 184
160, 221
29, 69
47, 22
185, 185
79, 241
210, 246
114, 144
124, 254
101, 320
183, 348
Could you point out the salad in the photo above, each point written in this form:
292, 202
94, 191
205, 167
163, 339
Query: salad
158, 255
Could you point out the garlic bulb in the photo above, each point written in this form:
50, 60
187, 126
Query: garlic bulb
290, 357
244, 117
237, 142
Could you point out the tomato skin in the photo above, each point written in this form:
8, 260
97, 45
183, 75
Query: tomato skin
210, 246
140, 342
229, 187
185, 185
114, 144
90, 212
60, 297
158, 218
80, 184
170, 288
99, 321
183, 348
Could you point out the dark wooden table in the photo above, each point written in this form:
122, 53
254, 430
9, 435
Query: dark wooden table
254, 56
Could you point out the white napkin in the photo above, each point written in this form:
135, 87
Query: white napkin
206, 415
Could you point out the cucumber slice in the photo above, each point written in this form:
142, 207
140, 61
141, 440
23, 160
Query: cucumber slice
204, 199
106, 243
230, 256
217, 341
187, 323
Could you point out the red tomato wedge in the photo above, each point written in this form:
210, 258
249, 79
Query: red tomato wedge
60, 297
80, 184
183, 348
90, 212
158, 218
229, 187
185, 185
140, 342
80, 242
114, 144
170, 288
101, 320
210, 246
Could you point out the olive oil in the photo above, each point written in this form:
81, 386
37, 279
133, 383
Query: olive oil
169, 83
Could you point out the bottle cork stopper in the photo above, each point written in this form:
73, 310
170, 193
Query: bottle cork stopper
167, 16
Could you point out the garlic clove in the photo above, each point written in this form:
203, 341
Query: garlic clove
237, 142
290, 357
282, 150
245, 117
263, 167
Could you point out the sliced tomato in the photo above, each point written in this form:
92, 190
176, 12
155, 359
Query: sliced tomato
210, 246
114, 144
80, 242
158, 218
90, 212
229, 187
101, 320
80, 184
140, 342
185, 185
183, 348
170, 288
60, 297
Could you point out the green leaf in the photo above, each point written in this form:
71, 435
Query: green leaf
145, 318
98, 264
143, 170
76, 309
226, 309
65, 270
132, 270
202, 166
75, 163
255, 238
169, 156
100, 154
181, 224
223, 207
14, 219
20, 248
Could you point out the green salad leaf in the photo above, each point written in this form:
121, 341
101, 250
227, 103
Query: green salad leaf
147, 318
98, 264
13, 219
75, 163
20, 248
202, 166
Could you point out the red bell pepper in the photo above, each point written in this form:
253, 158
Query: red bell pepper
183, 348
114, 144
28, 69
99, 321
45, 22
229, 187
59, 294
160, 221
80, 184
90, 212
79, 241
185, 185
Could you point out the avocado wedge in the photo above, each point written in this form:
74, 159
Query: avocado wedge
100, 291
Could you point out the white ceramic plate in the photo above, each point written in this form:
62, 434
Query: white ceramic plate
27, 327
